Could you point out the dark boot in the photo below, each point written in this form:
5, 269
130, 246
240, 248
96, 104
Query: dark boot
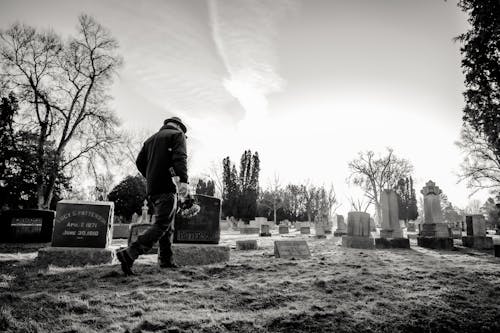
165, 257
126, 261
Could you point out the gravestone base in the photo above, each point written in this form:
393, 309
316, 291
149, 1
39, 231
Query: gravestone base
435, 230
478, 242
199, 254
339, 233
305, 230
392, 243
320, 236
358, 242
74, 256
328, 232
21, 247
265, 234
121, 230
437, 243
250, 244
390, 234
249, 230
497, 250
283, 230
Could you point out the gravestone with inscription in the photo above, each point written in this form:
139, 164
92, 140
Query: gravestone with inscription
288, 249
26, 226
196, 239
82, 234
202, 228
476, 233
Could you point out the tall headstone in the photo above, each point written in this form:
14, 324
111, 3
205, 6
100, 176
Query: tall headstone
391, 234
319, 230
476, 233
434, 232
82, 234
340, 226
358, 231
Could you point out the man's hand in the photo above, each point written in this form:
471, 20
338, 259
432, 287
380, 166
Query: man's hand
183, 190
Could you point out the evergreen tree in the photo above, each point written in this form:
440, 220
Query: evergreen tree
407, 199
481, 66
129, 196
205, 187
241, 191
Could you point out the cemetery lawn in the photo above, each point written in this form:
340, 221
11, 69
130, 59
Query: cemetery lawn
337, 290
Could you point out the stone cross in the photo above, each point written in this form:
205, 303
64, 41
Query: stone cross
432, 203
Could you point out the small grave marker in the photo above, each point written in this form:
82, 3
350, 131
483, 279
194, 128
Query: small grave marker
291, 249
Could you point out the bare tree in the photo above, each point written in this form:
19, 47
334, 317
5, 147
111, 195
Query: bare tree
274, 202
376, 173
481, 165
333, 203
215, 174
64, 89
359, 205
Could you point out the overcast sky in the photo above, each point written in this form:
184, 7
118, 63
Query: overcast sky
307, 84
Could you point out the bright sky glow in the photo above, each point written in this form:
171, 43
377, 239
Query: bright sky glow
307, 84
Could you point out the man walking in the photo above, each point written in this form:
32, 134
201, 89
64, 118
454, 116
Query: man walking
161, 154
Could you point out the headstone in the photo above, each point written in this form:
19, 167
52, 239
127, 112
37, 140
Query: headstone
265, 230
358, 231
434, 233
475, 225
340, 226
391, 234
83, 224
135, 218
82, 234
319, 231
305, 230
289, 249
476, 233
138, 229
121, 230
283, 229
202, 228
373, 227
411, 226
26, 226
328, 226
248, 244
248, 230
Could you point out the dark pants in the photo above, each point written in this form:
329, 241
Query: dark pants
165, 206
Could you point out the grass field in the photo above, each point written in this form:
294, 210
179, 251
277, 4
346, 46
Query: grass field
337, 290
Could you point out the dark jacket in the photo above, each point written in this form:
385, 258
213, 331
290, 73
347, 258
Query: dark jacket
164, 150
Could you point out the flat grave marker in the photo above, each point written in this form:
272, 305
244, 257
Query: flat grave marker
288, 249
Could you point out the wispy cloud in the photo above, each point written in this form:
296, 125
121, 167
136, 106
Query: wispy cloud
244, 33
